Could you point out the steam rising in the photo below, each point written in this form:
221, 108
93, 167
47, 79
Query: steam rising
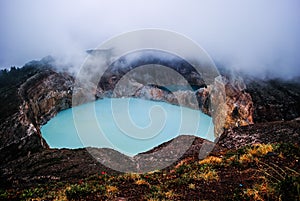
253, 36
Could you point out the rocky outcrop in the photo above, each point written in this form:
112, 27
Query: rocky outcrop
45, 94
160, 76
41, 96
49, 166
226, 100
274, 100
239, 103
270, 132
150, 67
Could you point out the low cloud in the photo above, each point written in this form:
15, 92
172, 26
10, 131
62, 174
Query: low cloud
257, 37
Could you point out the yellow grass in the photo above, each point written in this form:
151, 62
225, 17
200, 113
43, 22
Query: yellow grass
192, 186
252, 193
133, 176
183, 162
211, 160
255, 151
111, 189
207, 175
142, 182
246, 158
260, 149
170, 194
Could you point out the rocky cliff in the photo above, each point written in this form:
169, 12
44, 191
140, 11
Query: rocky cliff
43, 92
226, 101
275, 99
39, 96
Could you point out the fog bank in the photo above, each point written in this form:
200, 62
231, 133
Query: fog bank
253, 36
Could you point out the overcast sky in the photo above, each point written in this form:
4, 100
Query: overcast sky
255, 35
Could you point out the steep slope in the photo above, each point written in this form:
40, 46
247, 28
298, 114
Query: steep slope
27, 104
275, 99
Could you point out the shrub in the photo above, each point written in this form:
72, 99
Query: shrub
77, 191
289, 188
32, 193
3, 194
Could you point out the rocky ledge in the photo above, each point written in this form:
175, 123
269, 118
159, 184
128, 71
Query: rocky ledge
36, 99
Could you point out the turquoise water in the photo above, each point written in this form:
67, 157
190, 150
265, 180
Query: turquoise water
128, 125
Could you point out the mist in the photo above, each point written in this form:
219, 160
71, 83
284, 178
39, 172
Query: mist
252, 36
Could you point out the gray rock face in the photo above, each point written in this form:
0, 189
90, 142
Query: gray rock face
274, 100
45, 94
225, 100
42, 96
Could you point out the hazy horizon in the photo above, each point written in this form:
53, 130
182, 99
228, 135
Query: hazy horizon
258, 37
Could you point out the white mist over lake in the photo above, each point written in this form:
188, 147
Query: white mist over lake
128, 125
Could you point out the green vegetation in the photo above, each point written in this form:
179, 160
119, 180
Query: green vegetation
257, 172
77, 191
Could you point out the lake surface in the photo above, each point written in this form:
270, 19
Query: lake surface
129, 125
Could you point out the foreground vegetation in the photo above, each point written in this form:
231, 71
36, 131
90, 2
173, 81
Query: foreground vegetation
257, 172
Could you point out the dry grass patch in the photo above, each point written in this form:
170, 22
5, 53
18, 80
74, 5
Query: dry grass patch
211, 160
170, 194
260, 149
183, 162
246, 158
131, 176
142, 182
207, 175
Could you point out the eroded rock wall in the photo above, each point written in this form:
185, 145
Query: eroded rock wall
226, 100
42, 96
274, 100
